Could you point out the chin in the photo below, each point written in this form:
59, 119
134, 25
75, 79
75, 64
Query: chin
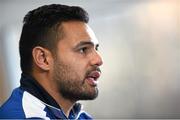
91, 95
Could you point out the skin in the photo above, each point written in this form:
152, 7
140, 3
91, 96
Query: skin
64, 75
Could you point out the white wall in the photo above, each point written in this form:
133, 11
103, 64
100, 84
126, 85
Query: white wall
140, 44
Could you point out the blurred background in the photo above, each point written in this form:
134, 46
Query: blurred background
140, 44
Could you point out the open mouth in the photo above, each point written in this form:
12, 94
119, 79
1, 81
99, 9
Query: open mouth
92, 78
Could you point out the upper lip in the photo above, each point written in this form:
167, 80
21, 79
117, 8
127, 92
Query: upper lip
95, 74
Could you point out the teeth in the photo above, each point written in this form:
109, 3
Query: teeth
93, 77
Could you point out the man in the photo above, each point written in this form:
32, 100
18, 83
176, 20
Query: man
59, 62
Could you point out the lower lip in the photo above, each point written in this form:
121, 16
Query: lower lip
91, 81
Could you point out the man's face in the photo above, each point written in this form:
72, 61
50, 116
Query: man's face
77, 61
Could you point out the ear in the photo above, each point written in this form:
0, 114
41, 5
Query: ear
42, 58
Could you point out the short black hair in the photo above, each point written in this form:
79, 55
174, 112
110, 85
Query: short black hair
40, 28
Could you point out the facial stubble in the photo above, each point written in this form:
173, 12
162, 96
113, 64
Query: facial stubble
71, 84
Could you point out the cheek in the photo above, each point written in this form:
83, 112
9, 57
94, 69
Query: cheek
78, 67
77, 64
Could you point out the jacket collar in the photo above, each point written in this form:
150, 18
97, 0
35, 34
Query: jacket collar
29, 84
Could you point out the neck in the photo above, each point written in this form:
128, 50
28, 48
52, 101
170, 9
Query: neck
48, 84
66, 105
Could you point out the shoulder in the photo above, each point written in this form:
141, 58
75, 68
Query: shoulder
21, 105
13, 106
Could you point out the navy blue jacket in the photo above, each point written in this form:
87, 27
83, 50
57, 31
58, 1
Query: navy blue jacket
30, 100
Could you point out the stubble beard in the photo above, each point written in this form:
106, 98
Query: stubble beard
71, 86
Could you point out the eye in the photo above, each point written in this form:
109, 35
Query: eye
83, 50
97, 48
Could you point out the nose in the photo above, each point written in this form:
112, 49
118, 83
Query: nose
96, 59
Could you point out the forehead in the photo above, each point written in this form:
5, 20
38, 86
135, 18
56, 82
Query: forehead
76, 31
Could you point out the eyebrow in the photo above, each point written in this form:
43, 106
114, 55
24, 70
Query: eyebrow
82, 43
